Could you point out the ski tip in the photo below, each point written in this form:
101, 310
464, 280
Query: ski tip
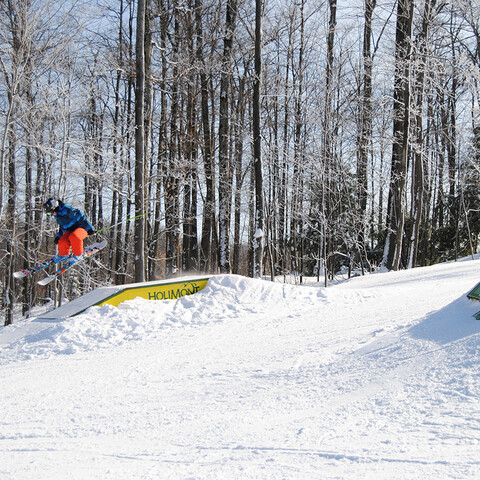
46, 280
96, 246
18, 275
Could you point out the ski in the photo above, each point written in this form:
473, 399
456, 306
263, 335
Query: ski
27, 272
88, 252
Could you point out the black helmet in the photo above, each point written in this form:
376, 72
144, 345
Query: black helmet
50, 205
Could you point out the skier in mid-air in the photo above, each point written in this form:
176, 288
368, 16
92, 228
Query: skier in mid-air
74, 228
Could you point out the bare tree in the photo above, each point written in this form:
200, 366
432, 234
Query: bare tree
401, 112
365, 127
209, 243
418, 170
224, 153
258, 236
140, 145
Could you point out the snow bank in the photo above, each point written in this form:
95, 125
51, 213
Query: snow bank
226, 296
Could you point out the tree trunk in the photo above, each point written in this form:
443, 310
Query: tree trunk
140, 145
258, 234
239, 134
224, 154
328, 154
11, 227
208, 245
418, 184
296, 221
171, 188
190, 243
365, 137
401, 102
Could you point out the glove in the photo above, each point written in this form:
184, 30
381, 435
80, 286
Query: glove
91, 231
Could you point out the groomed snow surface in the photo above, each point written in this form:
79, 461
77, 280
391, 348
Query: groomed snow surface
375, 377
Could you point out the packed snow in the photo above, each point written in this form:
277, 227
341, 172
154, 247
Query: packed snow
374, 377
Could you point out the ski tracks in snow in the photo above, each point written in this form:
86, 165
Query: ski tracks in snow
248, 379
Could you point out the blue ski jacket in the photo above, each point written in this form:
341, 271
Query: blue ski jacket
69, 219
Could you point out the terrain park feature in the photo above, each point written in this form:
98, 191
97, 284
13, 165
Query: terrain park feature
114, 295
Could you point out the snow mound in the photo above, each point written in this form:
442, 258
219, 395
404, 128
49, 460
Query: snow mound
225, 296
243, 291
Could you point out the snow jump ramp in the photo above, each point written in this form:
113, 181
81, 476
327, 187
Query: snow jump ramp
156, 290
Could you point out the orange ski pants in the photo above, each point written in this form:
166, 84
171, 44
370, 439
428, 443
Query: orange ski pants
73, 240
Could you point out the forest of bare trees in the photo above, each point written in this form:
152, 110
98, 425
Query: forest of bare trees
266, 137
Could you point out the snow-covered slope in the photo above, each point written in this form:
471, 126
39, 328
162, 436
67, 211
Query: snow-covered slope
377, 377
